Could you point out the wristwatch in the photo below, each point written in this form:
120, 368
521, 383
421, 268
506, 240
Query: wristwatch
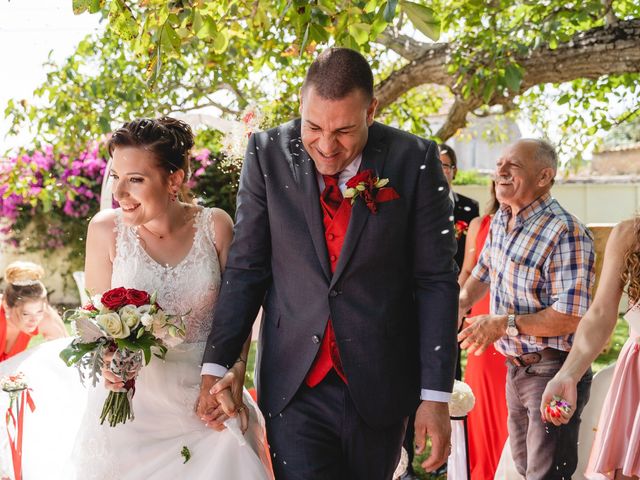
512, 328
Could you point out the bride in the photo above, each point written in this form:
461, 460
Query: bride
159, 243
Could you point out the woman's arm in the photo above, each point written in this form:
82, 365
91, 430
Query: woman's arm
470, 251
594, 329
52, 326
100, 250
597, 324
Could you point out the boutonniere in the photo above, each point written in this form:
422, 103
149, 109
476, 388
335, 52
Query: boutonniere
461, 228
372, 189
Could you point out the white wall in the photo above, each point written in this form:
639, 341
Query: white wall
591, 203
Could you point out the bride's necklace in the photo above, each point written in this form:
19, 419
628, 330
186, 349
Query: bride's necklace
161, 236
157, 235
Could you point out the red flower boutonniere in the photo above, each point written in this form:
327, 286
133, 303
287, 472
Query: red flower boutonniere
461, 228
373, 190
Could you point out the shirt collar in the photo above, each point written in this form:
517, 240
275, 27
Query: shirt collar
345, 175
531, 210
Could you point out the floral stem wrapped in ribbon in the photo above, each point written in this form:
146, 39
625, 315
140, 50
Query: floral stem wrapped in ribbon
372, 189
119, 331
19, 395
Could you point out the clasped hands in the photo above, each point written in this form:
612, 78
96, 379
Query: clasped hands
221, 398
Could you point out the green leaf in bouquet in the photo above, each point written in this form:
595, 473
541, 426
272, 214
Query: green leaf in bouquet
75, 351
154, 297
127, 343
140, 333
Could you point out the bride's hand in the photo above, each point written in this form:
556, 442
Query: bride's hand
111, 380
229, 393
207, 407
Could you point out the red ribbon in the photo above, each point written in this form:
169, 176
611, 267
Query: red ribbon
17, 425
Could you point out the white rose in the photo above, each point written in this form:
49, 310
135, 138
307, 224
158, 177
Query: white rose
112, 325
146, 319
130, 316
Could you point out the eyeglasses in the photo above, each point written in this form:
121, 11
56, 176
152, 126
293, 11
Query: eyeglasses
448, 166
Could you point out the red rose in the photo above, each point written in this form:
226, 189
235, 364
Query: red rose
137, 297
115, 298
363, 176
89, 307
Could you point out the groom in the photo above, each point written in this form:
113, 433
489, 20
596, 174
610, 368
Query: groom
359, 293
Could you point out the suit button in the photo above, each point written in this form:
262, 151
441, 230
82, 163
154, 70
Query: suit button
333, 293
333, 258
315, 339
331, 236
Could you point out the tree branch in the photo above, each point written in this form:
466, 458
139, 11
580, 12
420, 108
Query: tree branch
600, 51
457, 117
404, 45
610, 19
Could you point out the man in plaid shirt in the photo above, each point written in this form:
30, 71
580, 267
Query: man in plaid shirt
539, 262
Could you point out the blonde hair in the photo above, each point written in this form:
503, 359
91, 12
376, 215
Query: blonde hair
23, 283
631, 271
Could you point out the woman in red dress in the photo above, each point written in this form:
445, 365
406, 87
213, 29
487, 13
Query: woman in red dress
24, 310
485, 374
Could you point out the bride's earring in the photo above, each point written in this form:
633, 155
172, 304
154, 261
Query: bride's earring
173, 196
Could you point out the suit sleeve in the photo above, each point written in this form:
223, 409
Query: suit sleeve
435, 276
248, 270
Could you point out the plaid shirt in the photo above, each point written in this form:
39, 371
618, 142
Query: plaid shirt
546, 260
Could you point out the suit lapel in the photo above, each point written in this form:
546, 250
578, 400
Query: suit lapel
304, 173
373, 158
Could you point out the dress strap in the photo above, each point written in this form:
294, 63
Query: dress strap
208, 225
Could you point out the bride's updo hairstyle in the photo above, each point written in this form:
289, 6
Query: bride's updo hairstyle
23, 283
168, 139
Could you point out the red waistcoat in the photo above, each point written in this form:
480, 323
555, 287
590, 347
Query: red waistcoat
328, 356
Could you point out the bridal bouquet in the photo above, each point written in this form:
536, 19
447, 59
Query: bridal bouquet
119, 331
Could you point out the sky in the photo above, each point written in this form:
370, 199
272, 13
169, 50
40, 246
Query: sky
29, 30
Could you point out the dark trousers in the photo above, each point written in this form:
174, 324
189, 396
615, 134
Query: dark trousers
541, 450
321, 436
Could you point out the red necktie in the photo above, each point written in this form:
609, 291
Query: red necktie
331, 196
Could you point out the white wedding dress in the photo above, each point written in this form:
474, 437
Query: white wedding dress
149, 446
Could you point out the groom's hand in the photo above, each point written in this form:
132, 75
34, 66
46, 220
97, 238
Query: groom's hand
432, 420
229, 393
207, 407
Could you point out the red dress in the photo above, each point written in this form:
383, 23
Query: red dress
20, 344
486, 375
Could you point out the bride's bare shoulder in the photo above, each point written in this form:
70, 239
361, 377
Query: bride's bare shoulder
103, 224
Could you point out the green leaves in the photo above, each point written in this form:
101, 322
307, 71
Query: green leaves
513, 77
390, 10
73, 353
122, 21
423, 18
92, 6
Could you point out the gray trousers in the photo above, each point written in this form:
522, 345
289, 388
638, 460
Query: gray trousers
541, 451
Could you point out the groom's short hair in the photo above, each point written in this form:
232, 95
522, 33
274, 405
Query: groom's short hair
339, 71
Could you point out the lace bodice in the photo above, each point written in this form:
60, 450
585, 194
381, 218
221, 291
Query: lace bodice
190, 286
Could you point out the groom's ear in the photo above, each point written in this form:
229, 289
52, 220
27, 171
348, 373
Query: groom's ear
371, 111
